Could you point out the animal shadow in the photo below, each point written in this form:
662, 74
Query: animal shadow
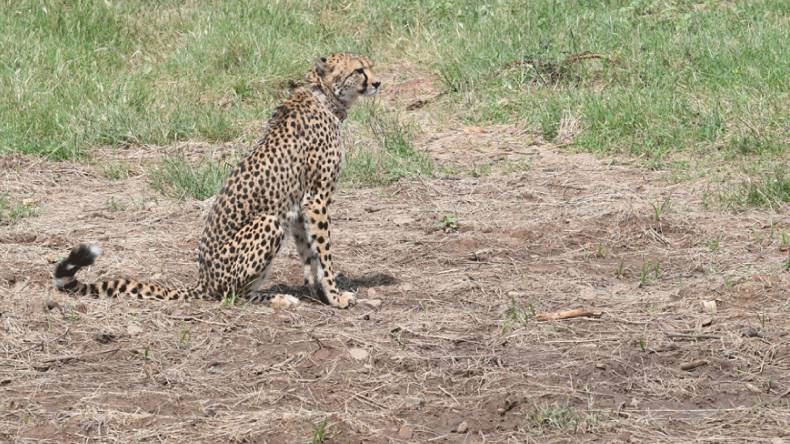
344, 283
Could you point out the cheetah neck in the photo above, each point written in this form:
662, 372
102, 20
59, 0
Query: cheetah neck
324, 95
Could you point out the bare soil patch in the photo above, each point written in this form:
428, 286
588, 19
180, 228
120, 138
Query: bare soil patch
455, 341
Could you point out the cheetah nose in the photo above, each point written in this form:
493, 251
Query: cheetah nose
376, 84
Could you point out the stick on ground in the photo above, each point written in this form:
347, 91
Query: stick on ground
568, 314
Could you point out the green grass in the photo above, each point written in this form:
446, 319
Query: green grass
516, 316
771, 189
179, 178
384, 152
650, 273
11, 211
116, 170
319, 432
655, 79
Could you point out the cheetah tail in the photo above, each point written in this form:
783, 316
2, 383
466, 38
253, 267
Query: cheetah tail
84, 255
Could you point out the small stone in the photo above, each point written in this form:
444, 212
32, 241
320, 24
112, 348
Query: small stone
706, 321
372, 303
371, 292
133, 329
479, 256
751, 332
82, 308
51, 305
462, 427
709, 306
413, 402
405, 432
359, 354
402, 220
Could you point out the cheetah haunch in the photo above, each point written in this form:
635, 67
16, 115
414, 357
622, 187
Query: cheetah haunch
285, 184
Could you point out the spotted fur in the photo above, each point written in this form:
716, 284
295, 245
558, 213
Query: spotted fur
284, 185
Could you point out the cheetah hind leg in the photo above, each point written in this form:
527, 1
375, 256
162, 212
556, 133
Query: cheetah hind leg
256, 245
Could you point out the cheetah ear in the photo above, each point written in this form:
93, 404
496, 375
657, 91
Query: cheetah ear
320, 66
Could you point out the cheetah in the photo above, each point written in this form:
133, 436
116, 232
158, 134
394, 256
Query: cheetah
284, 185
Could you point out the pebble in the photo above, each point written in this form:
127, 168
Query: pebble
413, 402
405, 432
373, 303
360, 354
462, 427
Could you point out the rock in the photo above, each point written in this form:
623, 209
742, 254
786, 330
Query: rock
751, 332
371, 292
709, 306
405, 432
373, 303
406, 286
401, 220
359, 354
479, 256
133, 329
462, 427
413, 402
51, 305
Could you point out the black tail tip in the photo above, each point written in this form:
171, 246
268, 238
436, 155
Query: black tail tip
83, 255
80, 256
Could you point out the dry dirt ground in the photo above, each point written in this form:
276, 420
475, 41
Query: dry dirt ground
453, 354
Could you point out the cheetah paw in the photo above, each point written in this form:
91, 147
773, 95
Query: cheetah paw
346, 299
283, 301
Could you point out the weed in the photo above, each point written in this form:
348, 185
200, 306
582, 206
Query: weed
557, 416
177, 178
649, 273
480, 170
183, 337
714, 245
619, 272
784, 241
230, 299
660, 207
319, 432
516, 316
643, 344
11, 212
117, 170
115, 205
515, 166
449, 223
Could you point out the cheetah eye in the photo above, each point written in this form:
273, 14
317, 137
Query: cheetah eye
360, 70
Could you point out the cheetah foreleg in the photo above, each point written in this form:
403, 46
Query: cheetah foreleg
318, 237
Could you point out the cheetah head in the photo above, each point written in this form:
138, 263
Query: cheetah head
346, 76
